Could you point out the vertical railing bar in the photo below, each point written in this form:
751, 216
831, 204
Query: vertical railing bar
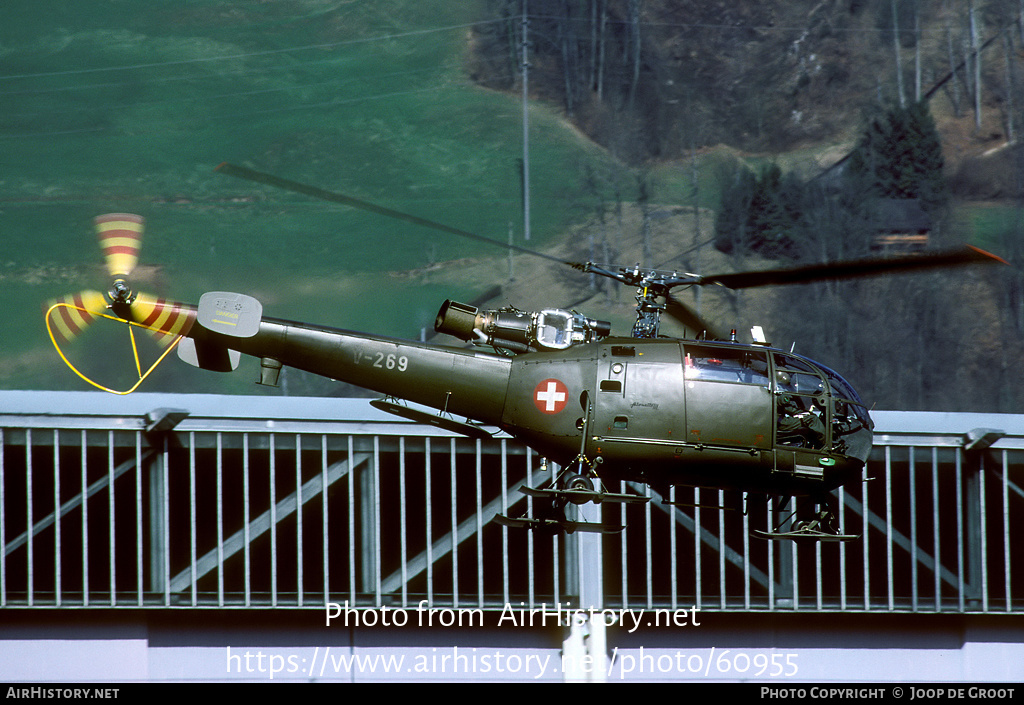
298, 520
745, 499
3, 522
983, 531
57, 579
140, 575
325, 534
960, 530
377, 552
795, 575
696, 548
247, 553
557, 591
85, 517
351, 522
166, 527
914, 574
888, 528
455, 524
865, 529
220, 519
193, 557
479, 525
29, 549
623, 553
111, 529
673, 561
936, 539
771, 556
648, 533
1006, 529
429, 512
794, 572
273, 520
530, 558
721, 548
841, 501
504, 529
403, 529
819, 598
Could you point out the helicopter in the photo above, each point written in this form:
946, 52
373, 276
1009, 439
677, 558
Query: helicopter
708, 412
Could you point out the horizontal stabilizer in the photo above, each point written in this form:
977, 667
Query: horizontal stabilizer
236, 315
207, 356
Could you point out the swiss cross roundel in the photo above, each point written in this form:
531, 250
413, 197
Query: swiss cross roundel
550, 396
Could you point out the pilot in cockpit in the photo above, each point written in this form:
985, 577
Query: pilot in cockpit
800, 423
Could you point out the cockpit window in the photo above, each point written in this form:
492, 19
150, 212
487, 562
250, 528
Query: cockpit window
798, 382
796, 376
726, 365
851, 429
789, 362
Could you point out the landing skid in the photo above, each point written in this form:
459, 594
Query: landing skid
582, 496
559, 499
824, 526
565, 525
804, 535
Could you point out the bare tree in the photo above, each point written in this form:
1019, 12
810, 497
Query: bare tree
900, 94
634, 54
975, 55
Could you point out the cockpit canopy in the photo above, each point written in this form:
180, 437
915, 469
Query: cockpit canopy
815, 407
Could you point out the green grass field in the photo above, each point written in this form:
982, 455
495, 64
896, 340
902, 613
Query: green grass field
131, 106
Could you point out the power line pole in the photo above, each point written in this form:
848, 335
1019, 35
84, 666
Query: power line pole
526, 124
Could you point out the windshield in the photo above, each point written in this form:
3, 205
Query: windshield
801, 381
840, 387
851, 424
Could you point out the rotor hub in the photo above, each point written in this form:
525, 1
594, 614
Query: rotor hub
121, 292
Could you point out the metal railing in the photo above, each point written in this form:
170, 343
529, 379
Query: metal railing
167, 509
933, 528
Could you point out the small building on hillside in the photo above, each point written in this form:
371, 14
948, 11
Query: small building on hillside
901, 225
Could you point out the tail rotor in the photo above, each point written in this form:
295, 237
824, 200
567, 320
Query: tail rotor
120, 239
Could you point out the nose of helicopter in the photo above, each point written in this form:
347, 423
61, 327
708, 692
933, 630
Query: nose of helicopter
851, 423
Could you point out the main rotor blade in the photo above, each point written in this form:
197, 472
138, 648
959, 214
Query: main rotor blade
260, 177
690, 318
854, 268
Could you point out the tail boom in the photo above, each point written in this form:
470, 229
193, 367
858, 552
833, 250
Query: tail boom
459, 381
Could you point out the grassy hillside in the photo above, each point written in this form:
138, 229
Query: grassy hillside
130, 107
115, 106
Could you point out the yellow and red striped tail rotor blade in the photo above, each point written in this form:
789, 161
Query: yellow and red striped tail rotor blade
120, 236
164, 319
72, 314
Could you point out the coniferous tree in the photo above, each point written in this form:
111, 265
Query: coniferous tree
759, 212
731, 218
899, 156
